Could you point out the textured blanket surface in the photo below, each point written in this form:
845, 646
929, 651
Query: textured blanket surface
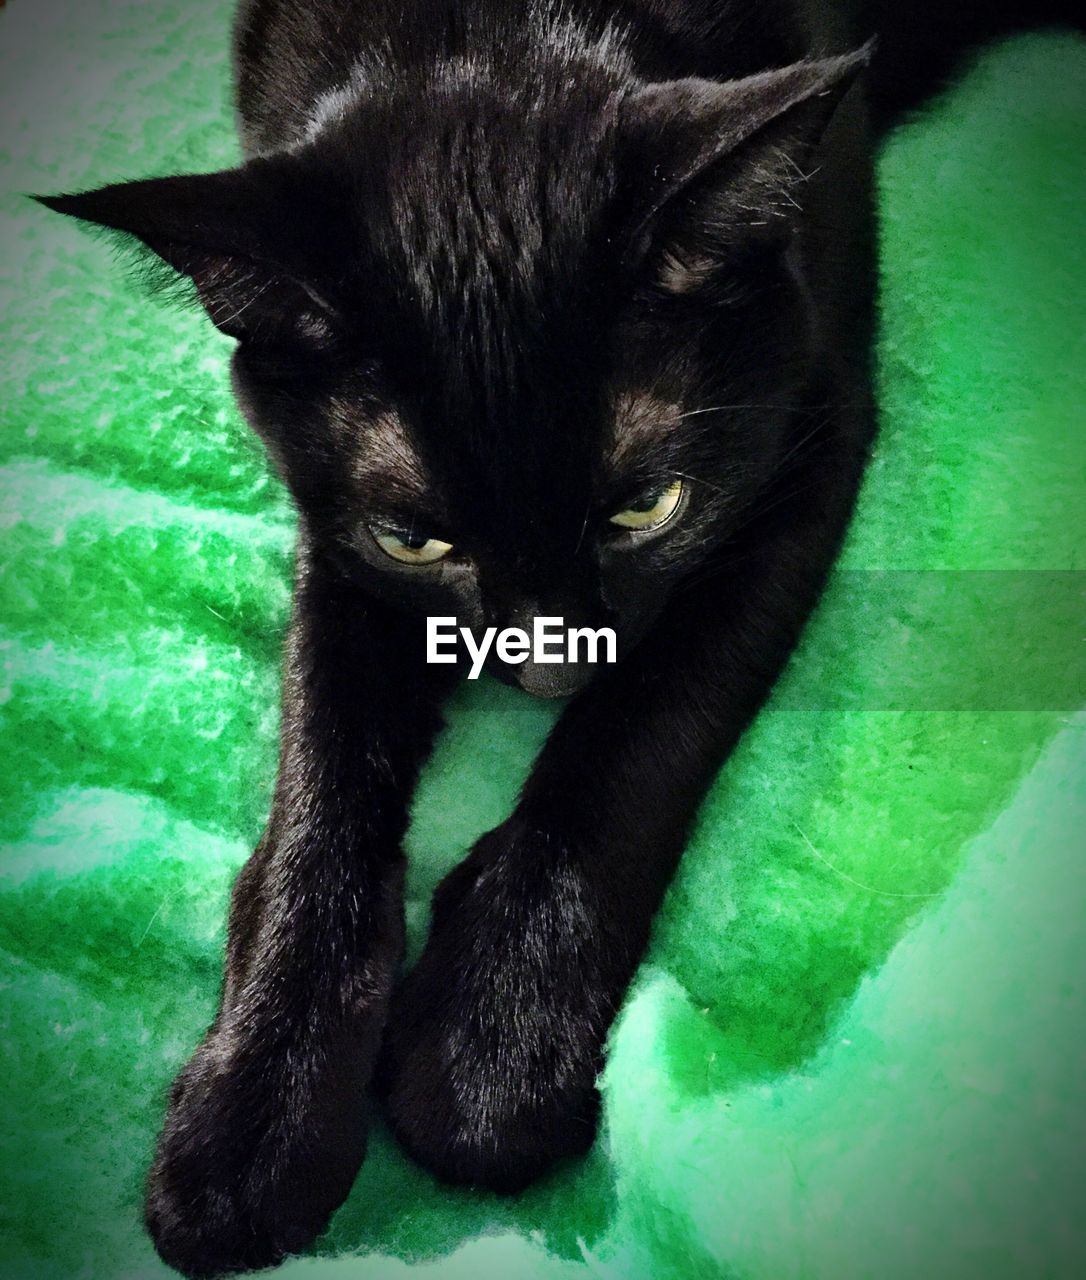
856, 1045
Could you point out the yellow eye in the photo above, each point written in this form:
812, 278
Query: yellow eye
652, 509
409, 547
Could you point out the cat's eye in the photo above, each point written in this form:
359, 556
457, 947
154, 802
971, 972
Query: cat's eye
408, 546
653, 508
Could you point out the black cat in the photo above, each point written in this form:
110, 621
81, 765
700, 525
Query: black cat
556, 308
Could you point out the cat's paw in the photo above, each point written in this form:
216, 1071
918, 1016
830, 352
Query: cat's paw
495, 1039
251, 1164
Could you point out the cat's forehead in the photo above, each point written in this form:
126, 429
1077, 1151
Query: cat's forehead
486, 210
483, 198
485, 226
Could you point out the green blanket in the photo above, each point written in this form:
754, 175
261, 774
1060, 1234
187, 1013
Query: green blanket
856, 1046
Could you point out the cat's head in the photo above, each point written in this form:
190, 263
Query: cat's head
516, 351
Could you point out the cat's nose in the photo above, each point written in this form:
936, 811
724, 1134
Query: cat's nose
539, 673
552, 680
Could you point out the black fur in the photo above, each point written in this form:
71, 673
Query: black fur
495, 270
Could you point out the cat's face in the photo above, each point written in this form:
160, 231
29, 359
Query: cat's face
626, 441
516, 363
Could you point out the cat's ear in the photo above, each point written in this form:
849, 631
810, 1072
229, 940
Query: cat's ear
713, 166
237, 236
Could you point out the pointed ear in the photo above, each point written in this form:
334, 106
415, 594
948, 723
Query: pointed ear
238, 237
714, 166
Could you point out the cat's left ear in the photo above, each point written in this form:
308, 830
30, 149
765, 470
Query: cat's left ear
239, 237
713, 166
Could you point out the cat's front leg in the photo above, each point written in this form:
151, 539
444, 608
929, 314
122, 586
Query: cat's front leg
266, 1124
496, 1038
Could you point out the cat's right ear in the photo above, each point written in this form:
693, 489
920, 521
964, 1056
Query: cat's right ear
237, 237
713, 166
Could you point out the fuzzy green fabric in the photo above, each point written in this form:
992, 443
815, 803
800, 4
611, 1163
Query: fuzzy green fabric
856, 1046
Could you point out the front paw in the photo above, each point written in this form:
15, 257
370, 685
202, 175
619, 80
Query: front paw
256, 1154
495, 1039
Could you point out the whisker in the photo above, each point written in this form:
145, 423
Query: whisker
756, 512
790, 454
584, 526
790, 406
698, 480
726, 408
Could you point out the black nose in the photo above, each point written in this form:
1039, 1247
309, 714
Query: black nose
551, 679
